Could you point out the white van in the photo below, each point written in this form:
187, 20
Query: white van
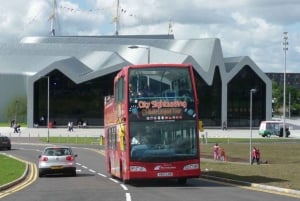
269, 128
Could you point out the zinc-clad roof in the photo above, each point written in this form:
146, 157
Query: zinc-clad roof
85, 58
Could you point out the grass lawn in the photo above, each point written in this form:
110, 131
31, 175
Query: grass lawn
10, 169
72, 140
280, 161
7, 124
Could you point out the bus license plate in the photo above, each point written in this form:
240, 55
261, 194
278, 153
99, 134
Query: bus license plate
165, 174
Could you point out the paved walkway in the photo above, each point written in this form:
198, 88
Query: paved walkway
294, 125
97, 132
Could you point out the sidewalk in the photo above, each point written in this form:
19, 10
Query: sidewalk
44, 132
97, 132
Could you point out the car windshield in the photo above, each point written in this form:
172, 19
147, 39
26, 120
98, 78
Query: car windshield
4, 138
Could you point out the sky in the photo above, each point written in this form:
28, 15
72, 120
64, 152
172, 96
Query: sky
251, 28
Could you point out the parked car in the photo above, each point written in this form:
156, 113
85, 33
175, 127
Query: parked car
57, 160
269, 128
5, 143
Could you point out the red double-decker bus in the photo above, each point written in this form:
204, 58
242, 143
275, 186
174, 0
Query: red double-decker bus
151, 123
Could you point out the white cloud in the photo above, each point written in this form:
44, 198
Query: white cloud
247, 27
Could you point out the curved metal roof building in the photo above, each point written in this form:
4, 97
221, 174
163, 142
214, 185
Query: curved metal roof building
86, 58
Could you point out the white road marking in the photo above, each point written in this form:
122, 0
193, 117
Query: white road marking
124, 187
128, 197
116, 181
93, 171
102, 175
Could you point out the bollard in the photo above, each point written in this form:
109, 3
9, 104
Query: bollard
101, 142
206, 137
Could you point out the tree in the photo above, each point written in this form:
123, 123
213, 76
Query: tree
277, 93
17, 109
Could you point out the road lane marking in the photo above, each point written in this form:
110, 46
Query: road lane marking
124, 187
102, 175
93, 171
114, 180
128, 197
30, 178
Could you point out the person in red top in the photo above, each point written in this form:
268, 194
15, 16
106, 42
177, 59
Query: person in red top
255, 155
223, 156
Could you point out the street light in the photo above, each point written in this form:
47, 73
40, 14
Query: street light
48, 106
250, 148
141, 46
285, 48
16, 112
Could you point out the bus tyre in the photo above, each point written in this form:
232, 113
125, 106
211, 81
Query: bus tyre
182, 181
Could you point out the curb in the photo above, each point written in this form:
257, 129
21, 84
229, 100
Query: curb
17, 181
254, 185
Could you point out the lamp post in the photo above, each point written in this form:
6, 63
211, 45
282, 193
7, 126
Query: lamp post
16, 112
285, 48
250, 147
145, 47
48, 106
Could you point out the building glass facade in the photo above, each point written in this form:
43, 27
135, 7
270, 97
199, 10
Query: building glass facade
70, 101
210, 99
84, 102
238, 99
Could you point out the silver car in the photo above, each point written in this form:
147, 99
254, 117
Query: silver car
57, 159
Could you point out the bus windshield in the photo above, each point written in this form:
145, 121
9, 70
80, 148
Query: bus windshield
158, 141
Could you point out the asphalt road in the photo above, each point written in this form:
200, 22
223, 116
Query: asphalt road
93, 183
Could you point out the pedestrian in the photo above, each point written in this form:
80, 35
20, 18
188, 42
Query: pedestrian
224, 125
255, 155
216, 151
17, 128
223, 155
70, 126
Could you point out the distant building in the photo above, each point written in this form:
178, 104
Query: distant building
81, 71
292, 79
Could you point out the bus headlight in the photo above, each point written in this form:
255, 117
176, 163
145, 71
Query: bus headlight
193, 166
137, 169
